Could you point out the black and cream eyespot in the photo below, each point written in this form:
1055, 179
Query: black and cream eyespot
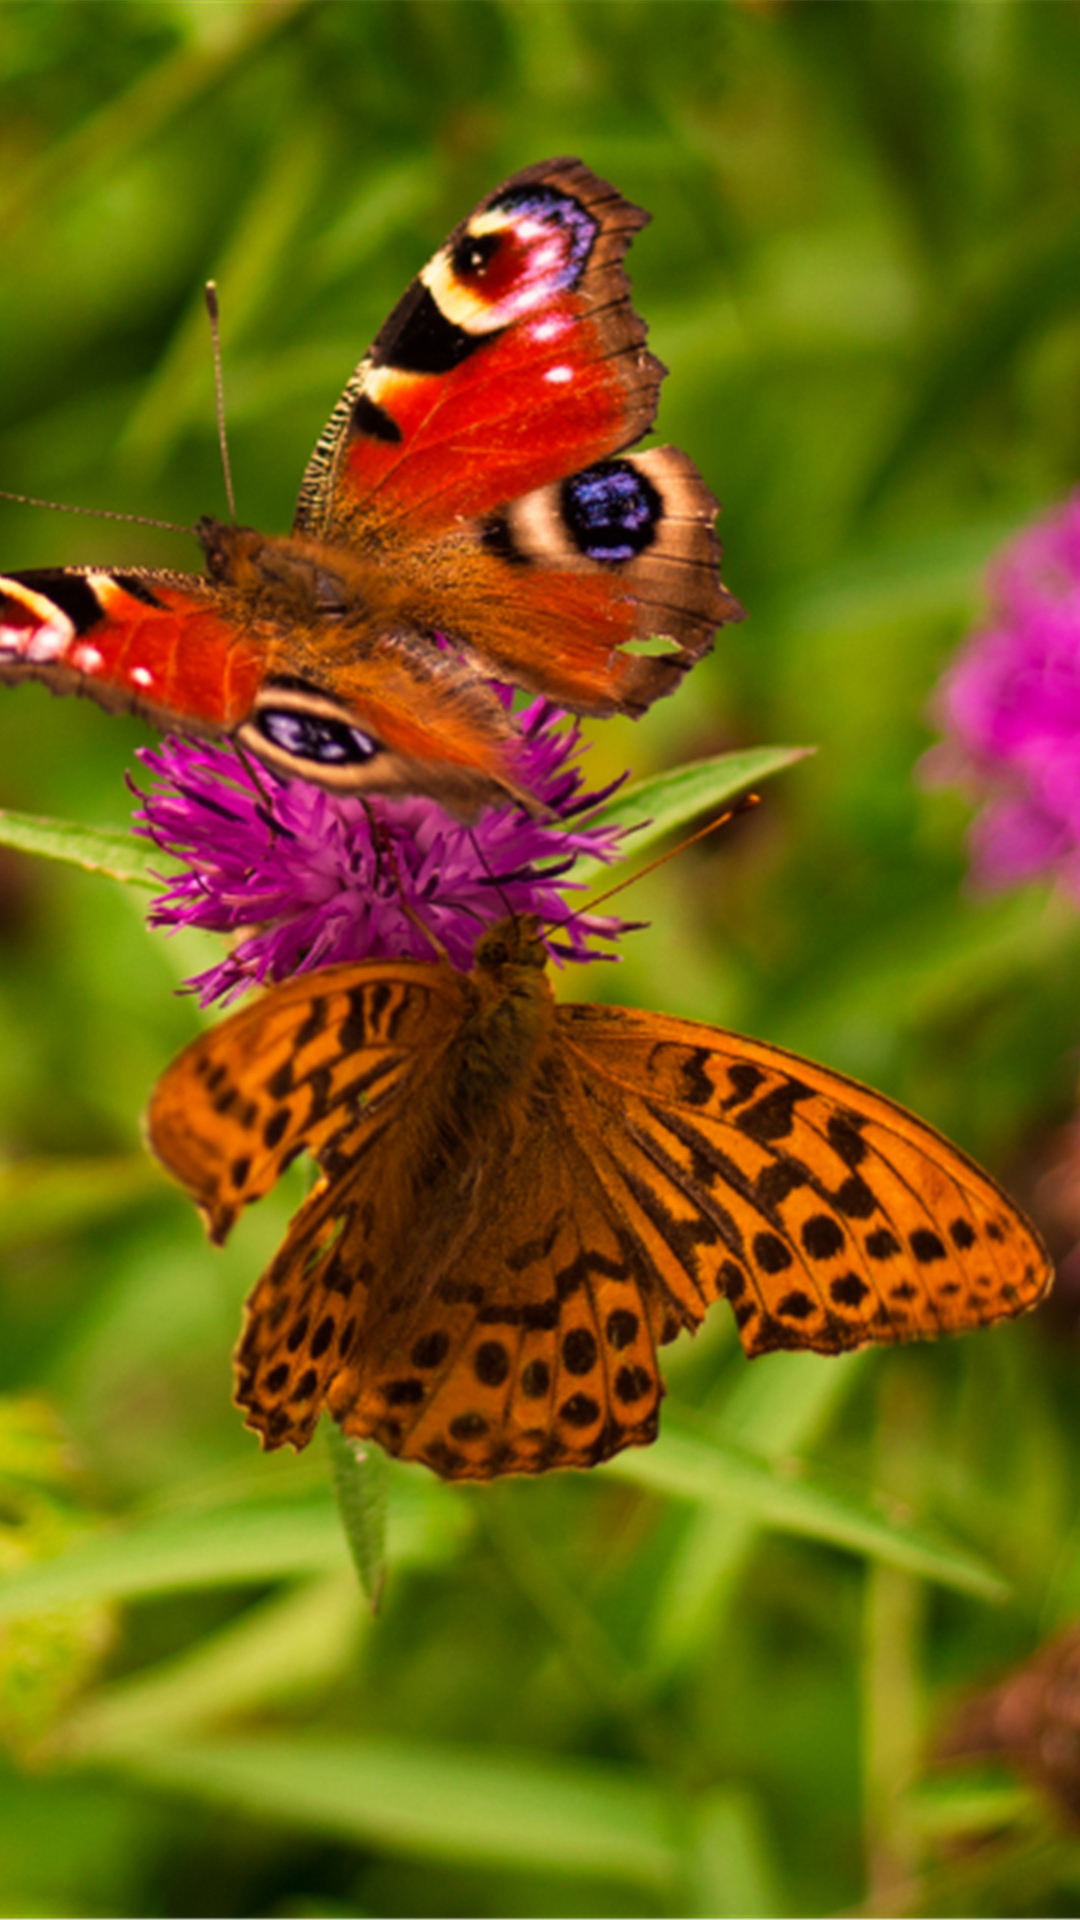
296, 732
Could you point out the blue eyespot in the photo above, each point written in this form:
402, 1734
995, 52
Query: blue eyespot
611, 511
309, 736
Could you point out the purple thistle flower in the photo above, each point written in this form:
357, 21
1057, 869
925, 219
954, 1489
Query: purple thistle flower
316, 878
1011, 706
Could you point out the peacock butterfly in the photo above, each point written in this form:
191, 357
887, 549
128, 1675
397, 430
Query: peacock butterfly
472, 484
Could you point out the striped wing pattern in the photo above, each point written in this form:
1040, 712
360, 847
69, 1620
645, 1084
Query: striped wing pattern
827, 1215
521, 1202
309, 1068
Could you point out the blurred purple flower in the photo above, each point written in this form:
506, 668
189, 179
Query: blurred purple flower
1011, 707
317, 878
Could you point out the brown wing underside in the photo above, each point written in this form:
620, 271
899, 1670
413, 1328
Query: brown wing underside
519, 1340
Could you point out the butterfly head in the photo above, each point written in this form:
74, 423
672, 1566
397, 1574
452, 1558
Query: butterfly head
512, 945
281, 577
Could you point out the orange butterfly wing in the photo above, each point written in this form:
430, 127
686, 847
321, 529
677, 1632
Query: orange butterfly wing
521, 1203
827, 1215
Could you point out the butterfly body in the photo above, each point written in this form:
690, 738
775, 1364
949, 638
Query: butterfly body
473, 487
522, 1201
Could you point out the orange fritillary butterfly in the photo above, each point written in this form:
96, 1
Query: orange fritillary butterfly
521, 1201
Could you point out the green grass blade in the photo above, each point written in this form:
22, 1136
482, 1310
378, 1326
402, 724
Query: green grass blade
695, 1465
275, 1652
733, 1873
229, 1547
98, 849
362, 1485
443, 1803
238, 1543
655, 807
970, 1805
773, 1412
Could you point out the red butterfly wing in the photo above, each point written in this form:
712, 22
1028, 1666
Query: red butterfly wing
469, 484
185, 653
475, 442
147, 642
514, 358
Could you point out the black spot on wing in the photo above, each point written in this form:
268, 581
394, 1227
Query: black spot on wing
373, 421
314, 1024
744, 1081
696, 1088
622, 1328
430, 1350
796, 1305
497, 537
473, 252
535, 1380
136, 586
632, 1383
773, 1116
822, 1236
579, 1351
773, 1184
491, 1363
881, 1244
418, 337
771, 1254
579, 1411
845, 1137
926, 1246
69, 591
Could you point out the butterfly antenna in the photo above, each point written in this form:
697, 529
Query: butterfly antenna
214, 313
744, 805
95, 513
266, 811
482, 858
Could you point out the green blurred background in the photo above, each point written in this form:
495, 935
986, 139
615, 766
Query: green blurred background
706, 1680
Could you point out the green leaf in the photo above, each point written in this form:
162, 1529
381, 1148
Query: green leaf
666, 801
98, 849
695, 1465
362, 1485
445, 1803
